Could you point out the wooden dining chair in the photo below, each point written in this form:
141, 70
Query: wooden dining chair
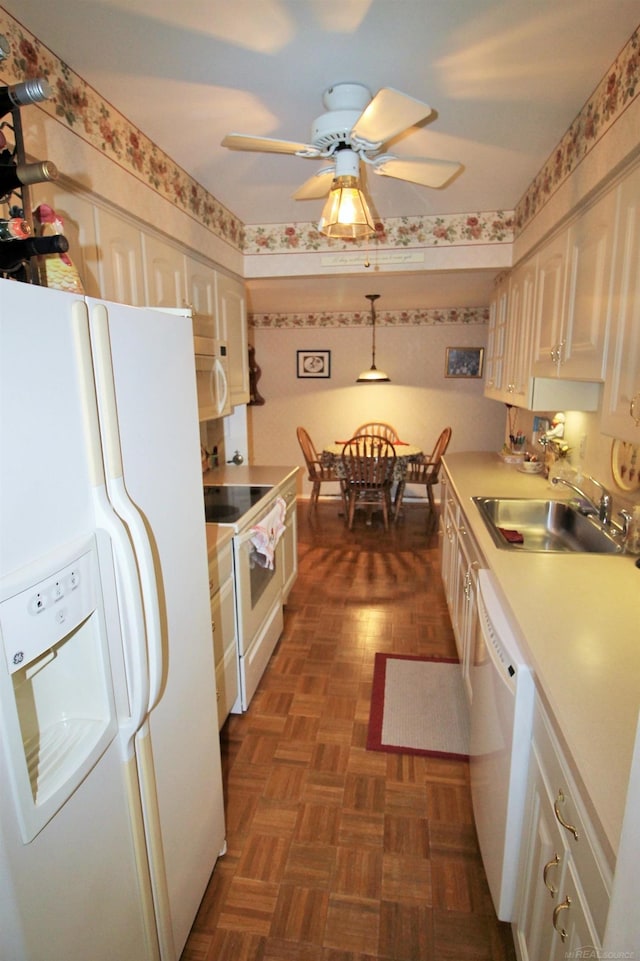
379, 428
424, 471
316, 472
368, 462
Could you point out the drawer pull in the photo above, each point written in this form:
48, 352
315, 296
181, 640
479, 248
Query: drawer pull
556, 807
564, 906
554, 862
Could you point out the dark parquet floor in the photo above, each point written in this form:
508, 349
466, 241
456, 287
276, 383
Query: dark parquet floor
336, 853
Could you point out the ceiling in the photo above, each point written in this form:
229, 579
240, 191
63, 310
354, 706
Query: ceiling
505, 77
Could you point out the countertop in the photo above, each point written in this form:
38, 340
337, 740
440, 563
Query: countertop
249, 474
578, 624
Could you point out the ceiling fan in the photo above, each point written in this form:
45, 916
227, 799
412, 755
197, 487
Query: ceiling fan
352, 130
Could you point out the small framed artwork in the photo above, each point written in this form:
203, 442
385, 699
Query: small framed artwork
464, 362
314, 363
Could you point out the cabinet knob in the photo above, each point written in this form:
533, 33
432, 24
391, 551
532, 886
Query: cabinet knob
633, 408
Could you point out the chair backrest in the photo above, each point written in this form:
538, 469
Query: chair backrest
433, 468
309, 453
380, 429
368, 461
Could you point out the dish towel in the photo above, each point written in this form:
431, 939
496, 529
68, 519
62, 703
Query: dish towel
266, 534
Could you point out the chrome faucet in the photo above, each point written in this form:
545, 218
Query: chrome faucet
603, 508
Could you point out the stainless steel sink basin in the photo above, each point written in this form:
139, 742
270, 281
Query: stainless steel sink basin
544, 525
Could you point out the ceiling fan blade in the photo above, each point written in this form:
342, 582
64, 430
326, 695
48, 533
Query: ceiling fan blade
244, 141
389, 113
317, 186
417, 170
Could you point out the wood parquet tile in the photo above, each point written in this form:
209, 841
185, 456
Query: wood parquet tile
336, 853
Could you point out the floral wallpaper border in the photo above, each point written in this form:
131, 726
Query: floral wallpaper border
79, 107
90, 117
617, 89
488, 227
390, 318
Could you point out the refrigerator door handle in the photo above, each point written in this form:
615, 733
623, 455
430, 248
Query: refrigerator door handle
122, 503
126, 570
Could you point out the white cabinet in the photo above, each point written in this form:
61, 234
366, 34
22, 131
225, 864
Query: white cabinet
508, 365
460, 561
290, 541
447, 550
573, 296
517, 381
231, 327
200, 281
121, 265
164, 273
78, 219
223, 628
565, 883
552, 266
496, 340
621, 403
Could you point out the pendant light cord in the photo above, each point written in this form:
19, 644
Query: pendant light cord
373, 298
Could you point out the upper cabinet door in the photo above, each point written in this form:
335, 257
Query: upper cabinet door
573, 296
121, 259
231, 327
520, 334
201, 297
549, 300
79, 227
164, 274
589, 286
497, 341
621, 404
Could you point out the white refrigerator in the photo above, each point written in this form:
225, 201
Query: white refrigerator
111, 807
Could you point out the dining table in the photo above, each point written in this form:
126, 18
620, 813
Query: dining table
406, 454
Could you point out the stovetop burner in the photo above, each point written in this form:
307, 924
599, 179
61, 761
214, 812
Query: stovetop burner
225, 504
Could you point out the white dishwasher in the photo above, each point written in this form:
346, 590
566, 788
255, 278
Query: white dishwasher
501, 729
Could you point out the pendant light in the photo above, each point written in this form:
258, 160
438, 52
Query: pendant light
346, 214
373, 375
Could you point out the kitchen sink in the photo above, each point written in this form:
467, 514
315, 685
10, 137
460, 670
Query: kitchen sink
544, 526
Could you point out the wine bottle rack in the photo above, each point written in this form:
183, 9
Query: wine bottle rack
20, 198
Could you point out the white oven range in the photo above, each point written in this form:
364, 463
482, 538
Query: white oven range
258, 589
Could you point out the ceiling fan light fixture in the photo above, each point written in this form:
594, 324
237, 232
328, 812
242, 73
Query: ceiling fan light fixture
346, 214
373, 375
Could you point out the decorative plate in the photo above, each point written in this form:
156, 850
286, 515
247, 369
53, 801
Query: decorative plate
625, 465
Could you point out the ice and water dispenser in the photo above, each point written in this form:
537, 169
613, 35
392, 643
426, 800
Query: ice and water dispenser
56, 696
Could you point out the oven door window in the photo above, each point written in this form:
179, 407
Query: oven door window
260, 576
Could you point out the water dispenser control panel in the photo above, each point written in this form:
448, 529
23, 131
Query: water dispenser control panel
35, 619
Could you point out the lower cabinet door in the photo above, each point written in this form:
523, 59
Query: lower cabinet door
542, 874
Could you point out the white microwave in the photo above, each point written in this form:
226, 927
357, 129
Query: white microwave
212, 378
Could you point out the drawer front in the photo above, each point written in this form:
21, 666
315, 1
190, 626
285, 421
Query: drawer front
223, 621
220, 567
590, 864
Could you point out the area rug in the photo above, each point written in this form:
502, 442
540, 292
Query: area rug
418, 706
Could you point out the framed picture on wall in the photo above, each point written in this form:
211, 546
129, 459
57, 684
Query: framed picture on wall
314, 363
464, 362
